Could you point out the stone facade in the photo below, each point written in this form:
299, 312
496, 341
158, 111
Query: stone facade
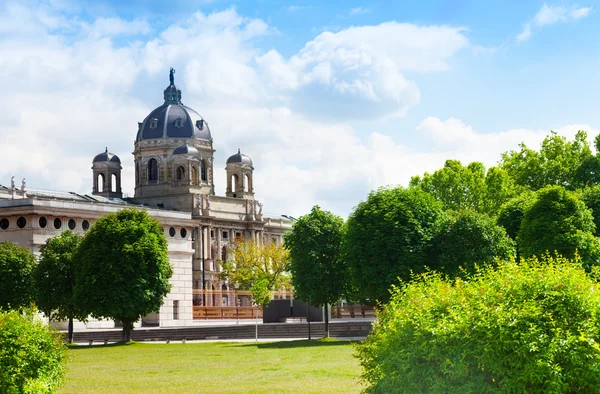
174, 167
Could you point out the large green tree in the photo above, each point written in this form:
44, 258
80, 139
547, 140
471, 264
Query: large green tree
558, 221
55, 279
386, 238
559, 162
123, 268
591, 198
472, 187
467, 239
319, 273
16, 276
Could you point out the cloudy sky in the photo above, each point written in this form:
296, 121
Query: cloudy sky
330, 101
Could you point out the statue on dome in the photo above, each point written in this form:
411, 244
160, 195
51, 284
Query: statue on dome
172, 76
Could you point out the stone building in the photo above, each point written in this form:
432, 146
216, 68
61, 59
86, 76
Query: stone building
174, 181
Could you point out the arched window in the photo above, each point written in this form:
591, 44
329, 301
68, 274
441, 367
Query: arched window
247, 182
100, 185
180, 174
194, 175
203, 170
224, 253
152, 171
234, 183
113, 186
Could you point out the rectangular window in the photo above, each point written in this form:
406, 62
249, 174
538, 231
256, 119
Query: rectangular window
212, 234
237, 235
225, 234
175, 310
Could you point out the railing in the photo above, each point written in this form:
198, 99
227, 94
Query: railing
350, 311
226, 312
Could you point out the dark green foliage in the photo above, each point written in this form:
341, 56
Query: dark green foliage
386, 238
123, 269
55, 279
31, 355
559, 221
319, 273
591, 198
559, 162
16, 276
468, 239
529, 327
512, 212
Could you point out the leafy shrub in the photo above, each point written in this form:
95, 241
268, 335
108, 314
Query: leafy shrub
31, 355
528, 327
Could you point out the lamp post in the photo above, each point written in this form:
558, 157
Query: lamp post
203, 274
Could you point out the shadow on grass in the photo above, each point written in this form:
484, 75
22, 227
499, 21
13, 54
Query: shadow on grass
295, 344
101, 346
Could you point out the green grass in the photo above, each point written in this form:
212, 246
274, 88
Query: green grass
290, 367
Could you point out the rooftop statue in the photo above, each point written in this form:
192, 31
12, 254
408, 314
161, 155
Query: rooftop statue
172, 76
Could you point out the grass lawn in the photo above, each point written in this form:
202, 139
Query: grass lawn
290, 367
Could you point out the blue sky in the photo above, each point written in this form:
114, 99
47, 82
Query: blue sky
331, 99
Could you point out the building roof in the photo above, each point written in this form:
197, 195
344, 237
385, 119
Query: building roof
106, 156
239, 158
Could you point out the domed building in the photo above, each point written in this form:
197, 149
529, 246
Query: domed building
173, 158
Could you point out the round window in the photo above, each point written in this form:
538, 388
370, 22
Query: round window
72, 224
43, 222
4, 224
57, 223
21, 222
183, 233
172, 232
85, 225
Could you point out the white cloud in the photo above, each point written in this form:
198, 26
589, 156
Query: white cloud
359, 10
550, 15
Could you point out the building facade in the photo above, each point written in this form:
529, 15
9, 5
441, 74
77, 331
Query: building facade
174, 181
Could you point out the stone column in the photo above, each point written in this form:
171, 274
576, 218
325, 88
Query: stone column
219, 246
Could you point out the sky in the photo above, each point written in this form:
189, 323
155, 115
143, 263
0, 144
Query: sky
331, 99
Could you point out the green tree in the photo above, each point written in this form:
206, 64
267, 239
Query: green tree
16, 276
258, 268
558, 162
559, 221
591, 198
319, 274
55, 279
529, 327
459, 187
123, 268
467, 239
386, 238
512, 212
32, 356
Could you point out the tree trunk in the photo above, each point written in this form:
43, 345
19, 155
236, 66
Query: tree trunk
326, 320
70, 331
127, 327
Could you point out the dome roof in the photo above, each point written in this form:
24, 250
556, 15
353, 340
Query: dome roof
185, 149
239, 158
173, 119
106, 156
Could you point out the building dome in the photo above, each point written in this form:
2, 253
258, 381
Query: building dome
106, 156
239, 158
173, 119
185, 149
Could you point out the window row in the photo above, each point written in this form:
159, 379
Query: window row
182, 232
153, 173
57, 223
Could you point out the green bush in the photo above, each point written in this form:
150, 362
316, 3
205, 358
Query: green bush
31, 355
16, 276
528, 327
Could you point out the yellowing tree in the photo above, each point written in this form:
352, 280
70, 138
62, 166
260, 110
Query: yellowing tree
258, 268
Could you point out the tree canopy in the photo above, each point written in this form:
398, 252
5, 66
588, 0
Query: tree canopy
467, 239
319, 273
386, 239
559, 221
123, 269
55, 279
16, 276
258, 268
